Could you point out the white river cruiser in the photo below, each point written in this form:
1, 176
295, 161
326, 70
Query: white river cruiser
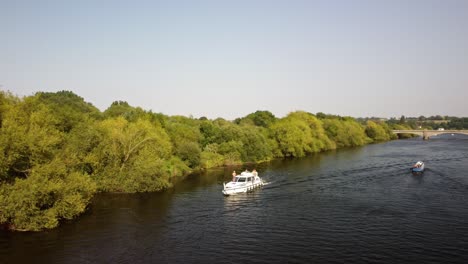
244, 182
418, 167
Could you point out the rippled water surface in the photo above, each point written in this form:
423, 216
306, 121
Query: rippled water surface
351, 205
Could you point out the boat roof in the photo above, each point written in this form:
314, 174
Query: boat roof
245, 174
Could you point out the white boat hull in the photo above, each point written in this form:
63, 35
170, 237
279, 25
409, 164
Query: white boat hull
236, 187
418, 167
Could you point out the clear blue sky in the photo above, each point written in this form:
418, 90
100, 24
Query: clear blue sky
231, 58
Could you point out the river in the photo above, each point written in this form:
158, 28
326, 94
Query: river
350, 205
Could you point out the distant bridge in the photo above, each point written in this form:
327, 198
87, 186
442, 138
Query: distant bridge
429, 133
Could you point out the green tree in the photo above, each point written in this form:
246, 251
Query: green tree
293, 137
81, 141
7, 100
37, 187
49, 194
69, 109
131, 157
28, 137
185, 137
210, 157
376, 132
402, 120
232, 152
210, 133
319, 139
190, 153
255, 145
345, 133
130, 113
261, 118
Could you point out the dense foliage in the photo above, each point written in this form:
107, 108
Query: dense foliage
57, 151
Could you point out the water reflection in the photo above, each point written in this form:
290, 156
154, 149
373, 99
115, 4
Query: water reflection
242, 199
234, 202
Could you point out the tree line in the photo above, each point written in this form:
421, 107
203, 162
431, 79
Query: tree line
57, 151
429, 123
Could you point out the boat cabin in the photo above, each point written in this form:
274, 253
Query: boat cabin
242, 178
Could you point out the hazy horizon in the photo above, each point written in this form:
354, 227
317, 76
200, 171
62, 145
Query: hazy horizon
228, 59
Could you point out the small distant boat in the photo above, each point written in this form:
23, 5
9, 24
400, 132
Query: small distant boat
244, 182
418, 167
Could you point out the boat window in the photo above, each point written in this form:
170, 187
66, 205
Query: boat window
241, 180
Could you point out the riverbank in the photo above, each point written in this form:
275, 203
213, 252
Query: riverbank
57, 150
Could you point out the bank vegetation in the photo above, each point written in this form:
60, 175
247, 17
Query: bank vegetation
57, 151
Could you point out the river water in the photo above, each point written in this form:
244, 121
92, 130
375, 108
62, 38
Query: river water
350, 205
